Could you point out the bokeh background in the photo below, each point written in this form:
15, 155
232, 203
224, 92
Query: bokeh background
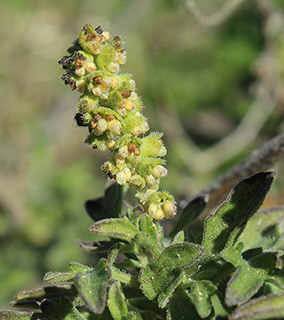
210, 74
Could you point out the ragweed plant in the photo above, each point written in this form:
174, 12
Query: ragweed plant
111, 109
234, 270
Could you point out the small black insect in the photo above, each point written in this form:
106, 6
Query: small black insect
99, 29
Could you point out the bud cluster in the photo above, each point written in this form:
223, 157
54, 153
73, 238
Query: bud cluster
111, 109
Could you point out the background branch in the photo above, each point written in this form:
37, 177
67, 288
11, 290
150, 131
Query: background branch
216, 18
261, 159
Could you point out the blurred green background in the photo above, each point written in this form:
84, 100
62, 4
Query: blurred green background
203, 81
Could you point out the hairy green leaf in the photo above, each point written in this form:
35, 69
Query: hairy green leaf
116, 302
58, 277
242, 286
92, 286
120, 228
179, 237
157, 277
75, 267
123, 277
164, 297
150, 229
146, 242
234, 212
201, 293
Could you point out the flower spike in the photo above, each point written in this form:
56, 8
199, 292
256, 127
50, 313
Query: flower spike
110, 107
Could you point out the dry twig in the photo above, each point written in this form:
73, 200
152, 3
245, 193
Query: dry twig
260, 159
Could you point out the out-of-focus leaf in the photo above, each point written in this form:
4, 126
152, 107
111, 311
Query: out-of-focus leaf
112, 201
157, 277
193, 209
266, 307
235, 211
265, 229
116, 302
119, 228
94, 246
92, 286
109, 206
201, 293
15, 315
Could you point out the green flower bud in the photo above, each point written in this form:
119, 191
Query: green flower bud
127, 173
113, 67
151, 181
121, 178
159, 171
138, 181
155, 212
169, 209
101, 127
123, 152
114, 126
